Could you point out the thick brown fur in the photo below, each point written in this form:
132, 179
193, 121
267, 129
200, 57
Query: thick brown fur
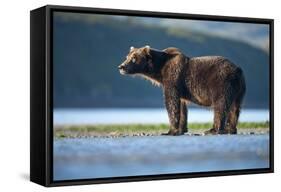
211, 81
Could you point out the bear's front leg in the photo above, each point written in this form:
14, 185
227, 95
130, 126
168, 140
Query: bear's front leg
183, 117
172, 102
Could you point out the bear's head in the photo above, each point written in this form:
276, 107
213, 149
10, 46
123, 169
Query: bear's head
138, 61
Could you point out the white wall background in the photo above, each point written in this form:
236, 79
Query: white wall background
14, 94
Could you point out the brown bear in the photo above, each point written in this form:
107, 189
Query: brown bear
211, 81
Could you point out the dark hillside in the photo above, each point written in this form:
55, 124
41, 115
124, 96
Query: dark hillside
86, 56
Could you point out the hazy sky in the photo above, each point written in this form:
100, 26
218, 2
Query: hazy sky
255, 34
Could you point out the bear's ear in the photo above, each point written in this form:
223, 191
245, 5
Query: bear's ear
147, 50
131, 48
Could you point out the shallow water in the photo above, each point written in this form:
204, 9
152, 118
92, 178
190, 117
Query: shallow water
144, 115
130, 156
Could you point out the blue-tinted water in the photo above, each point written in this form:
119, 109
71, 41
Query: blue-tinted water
121, 116
129, 156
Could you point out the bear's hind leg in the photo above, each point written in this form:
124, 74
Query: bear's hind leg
220, 114
232, 118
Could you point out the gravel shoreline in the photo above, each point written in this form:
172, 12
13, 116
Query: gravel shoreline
70, 134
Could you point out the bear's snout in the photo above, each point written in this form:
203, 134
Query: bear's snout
122, 66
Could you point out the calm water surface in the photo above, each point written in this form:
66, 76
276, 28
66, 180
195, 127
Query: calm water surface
129, 156
121, 116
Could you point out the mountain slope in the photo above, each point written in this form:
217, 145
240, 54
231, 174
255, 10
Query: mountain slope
86, 56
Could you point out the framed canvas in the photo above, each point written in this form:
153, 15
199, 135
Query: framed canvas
125, 95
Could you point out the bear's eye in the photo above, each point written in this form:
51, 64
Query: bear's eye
134, 60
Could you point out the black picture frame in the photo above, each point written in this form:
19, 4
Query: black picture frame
41, 104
